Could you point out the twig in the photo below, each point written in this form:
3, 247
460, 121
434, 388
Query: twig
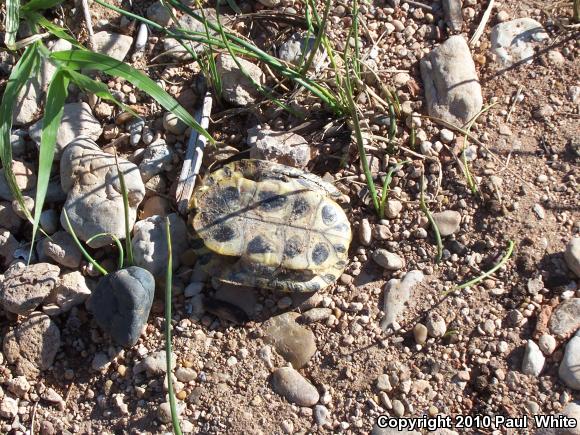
484, 19
514, 102
193, 157
420, 5
89, 23
431, 221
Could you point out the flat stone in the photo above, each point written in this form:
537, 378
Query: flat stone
32, 345
452, 88
71, 290
49, 221
94, 201
294, 342
534, 360
436, 326
388, 260
397, 294
159, 13
291, 385
63, 249
155, 364
447, 221
77, 120
10, 220
514, 41
572, 255
453, 14
121, 303
281, 147
569, 370
316, 315
25, 287
112, 44
157, 158
150, 243
8, 247
565, 319
237, 88
297, 49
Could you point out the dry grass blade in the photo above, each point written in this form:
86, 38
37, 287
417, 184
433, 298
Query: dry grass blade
12, 22
128, 244
425, 209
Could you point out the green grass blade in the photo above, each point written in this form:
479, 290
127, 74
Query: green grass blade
12, 22
90, 259
168, 350
232, 4
425, 210
121, 260
36, 19
318, 40
85, 59
53, 110
386, 187
26, 67
40, 5
128, 244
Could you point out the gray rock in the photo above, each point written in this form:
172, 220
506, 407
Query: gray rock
8, 408
572, 411
8, 247
453, 14
388, 260
565, 319
25, 180
18, 143
8, 218
49, 221
63, 249
281, 147
121, 303
242, 297
365, 232
290, 384
135, 128
447, 221
397, 294
25, 287
534, 360
70, 291
393, 208
297, 50
547, 344
94, 203
173, 124
452, 88
156, 159
321, 414
20, 209
316, 315
420, 333
155, 364
112, 44
436, 326
185, 374
77, 120
572, 255
159, 13
294, 342
387, 431
237, 88
569, 370
270, 3
150, 243
164, 411
32, 345
18, 386
514, 41
100, 362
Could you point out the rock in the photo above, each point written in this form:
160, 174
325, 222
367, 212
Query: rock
71, 290
513, 41
241, 297
100, 362
388, 260
25, 180
121, 303
388, 431
294, 342
135, 128
156, 159
420, 333
185, 374
452, 88
8, 247
51, 396
565, 319
25, 287
290, 384
8, 218
94, 203
160, 14
365, 232
572, 411
150, 243
453, 14
18, 386
156, 206
569, 370
32, 345
534, 360
316, 315
321, 414
173, 124
21, 211
237, 88
63, 249
435, 324
446, 135
49, 221
572, 255
281, 147
547, 344
77, 120
112, 44
297, 50
155, 364
270, 3
447, 221
164, 412
8, 408
397, 294
393, 208
383, 383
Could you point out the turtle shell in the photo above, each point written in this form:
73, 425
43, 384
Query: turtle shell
269, 225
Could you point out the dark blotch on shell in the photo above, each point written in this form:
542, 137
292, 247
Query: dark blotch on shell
300, 207
329, 215
292, 248
270, 201
224, 233
259, 245
320, 253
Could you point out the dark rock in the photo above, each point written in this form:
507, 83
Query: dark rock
121, 303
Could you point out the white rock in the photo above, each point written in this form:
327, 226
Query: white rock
569, 370
112, 44
572, 255
237, 88
447, 221
157, 158
436, 326
388, 260
547, 344
297, 50
365, 233
534, 360
281, 147
393, 208
290, 384
397, 294
71, 290
513, 41
8, 408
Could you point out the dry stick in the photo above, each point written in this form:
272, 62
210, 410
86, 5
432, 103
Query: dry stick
89, 23
484, 19
193, 157
514, 102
